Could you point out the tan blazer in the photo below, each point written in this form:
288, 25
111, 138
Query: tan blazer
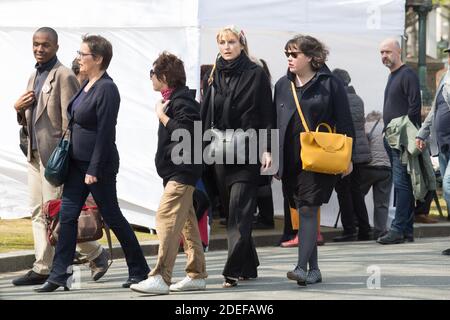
51, 116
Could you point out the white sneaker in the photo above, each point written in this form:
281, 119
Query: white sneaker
189, 284
154, 285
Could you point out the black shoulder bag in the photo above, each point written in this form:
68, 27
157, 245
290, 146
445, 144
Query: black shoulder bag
57, 167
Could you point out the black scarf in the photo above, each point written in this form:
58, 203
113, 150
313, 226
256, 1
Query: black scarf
225, 70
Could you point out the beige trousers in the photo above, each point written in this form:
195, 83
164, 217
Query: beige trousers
176, 217
41, 191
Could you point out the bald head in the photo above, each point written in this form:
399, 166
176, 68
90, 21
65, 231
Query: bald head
391, 43
390, 51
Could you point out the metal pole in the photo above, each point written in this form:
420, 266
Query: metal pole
422, 10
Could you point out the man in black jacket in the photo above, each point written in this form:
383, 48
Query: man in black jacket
177, 113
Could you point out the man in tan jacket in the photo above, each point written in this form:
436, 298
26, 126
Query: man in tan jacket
42, 110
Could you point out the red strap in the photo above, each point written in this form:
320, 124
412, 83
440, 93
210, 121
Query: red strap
54, 206
88, 207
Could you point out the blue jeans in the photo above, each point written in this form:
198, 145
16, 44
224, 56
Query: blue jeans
444, 167
404, 197
74, 195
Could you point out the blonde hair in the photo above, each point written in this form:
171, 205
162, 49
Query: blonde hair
225, 33
238, 33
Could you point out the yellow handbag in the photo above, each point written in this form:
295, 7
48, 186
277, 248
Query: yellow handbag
323, 152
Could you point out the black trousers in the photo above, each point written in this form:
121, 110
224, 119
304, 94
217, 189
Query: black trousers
74, 196
351, 202
264, 200
242, 257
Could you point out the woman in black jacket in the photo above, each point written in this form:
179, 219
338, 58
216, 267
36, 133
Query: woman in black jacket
94, 164
177, 112
322, 98
240, 95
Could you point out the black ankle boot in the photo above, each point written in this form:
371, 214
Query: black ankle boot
49, 287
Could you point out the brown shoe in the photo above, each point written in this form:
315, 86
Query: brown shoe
99, 265
423, 218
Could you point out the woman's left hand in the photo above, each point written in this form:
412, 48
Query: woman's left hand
160, 106
266, 161
88, 179
349, 169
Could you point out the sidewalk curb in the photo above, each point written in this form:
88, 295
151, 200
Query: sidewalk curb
22, 260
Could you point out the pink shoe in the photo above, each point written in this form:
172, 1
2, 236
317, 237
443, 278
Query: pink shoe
290, 243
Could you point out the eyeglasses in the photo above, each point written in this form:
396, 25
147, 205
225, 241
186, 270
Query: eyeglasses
82, 54
152, 73
294, 54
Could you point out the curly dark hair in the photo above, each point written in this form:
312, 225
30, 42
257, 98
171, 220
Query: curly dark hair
310, 47
172, 68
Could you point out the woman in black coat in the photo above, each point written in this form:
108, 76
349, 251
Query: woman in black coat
322, 98
240, 95
94, 164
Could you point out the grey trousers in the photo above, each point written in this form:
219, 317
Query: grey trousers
380, 179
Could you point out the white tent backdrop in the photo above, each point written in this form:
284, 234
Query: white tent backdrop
139, 30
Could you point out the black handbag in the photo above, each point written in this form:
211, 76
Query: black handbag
57, 167
230, 142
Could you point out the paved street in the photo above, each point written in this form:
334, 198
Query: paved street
407, 271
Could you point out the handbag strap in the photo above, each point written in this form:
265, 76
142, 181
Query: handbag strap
69, 127
297, 103
212, 105
369, 136
108, 236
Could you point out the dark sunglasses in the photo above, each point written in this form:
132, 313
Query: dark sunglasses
294, 54
152, 73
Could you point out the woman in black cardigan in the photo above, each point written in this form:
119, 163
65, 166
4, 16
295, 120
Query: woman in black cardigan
322, 98
94, 164
240, 94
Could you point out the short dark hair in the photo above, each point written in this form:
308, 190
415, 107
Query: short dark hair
172, 68
310, 47
343, 75
99, 46
75, 66
51, 32
266, 69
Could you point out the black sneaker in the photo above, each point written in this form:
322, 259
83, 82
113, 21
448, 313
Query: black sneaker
133, 280
391, 237
409, 238
446, 252
30, 279
346, 237
365, 236
378, 234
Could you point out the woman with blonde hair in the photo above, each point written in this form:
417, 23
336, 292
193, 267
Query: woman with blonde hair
238, 97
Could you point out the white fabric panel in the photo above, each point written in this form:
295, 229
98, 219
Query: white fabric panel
139, 30
139, 187
347, 16
98, 13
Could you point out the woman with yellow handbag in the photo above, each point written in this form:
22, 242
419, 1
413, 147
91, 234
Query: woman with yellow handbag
310, 98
